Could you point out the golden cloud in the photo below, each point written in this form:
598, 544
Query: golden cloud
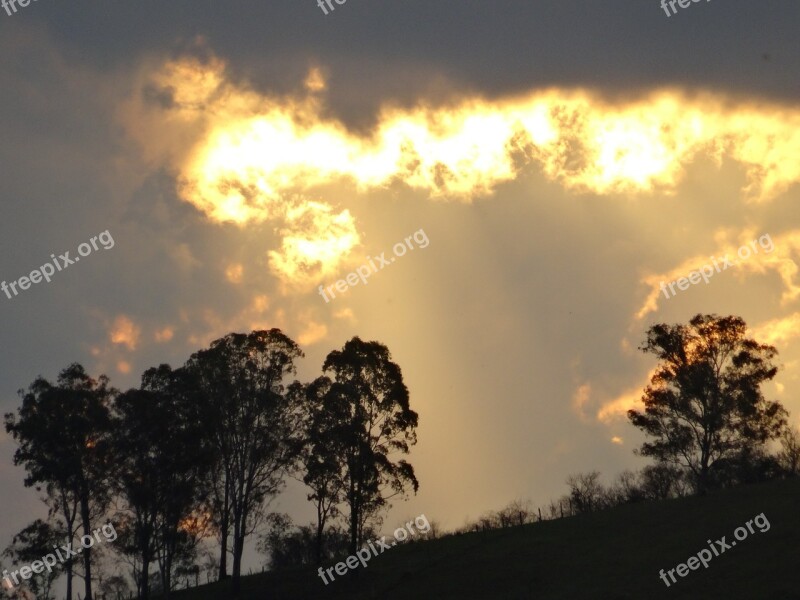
239, 155
782, 259
313, 333
778, 331
617, 408
125, 332
165, 334
315, 243
234, 272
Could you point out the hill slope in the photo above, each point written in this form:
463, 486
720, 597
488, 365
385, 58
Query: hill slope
611, 555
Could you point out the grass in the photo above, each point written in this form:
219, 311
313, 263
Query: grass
610, 555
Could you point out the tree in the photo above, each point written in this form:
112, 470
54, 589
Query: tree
290, 547
789, 456
325, 419
63, 436
160, 469
252, 425
31, 544
370, 404
626, 489
115, 588
586, 493
661, 481
704, 404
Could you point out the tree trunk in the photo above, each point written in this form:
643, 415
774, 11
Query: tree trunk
320, 530
224, 532
145, 585
238, 550
87, 553
354, 517
167, 576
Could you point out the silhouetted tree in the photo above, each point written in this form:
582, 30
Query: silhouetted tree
789, 455
661, 481
253, 425
586, 493
161, 462
750, 465
63, 436
326, 418
626, 489
115, 588
368, 388
704, 402
289, 546
31, 544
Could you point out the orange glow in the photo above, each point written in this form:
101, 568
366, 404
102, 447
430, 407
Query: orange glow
125, 332
243, 157
782, 260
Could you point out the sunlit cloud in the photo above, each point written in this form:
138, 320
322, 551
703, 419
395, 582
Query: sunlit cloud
204, 324
244, 157
579, 399
617, 408
315, 81
313, 333
260, 304
234, 272
315, 242
253, 149
125, 332
345, 314
782, 259
123, 367
163, 335
778, 331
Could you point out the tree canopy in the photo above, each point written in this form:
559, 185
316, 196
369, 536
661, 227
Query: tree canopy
704, 406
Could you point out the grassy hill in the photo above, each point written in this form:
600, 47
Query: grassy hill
611, 555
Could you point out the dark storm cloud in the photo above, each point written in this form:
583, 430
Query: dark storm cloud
492, 47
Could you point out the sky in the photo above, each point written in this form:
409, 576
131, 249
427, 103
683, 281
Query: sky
542, 167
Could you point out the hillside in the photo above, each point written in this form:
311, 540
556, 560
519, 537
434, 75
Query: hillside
612, 555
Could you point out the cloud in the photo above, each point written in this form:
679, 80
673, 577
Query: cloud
315, 243
165, 334
778, 331
183, 257
249, 151
234, 272
315, 82
312, 334
579, 399
124, 332
345, 314
244, 157
618, 407
781, 260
